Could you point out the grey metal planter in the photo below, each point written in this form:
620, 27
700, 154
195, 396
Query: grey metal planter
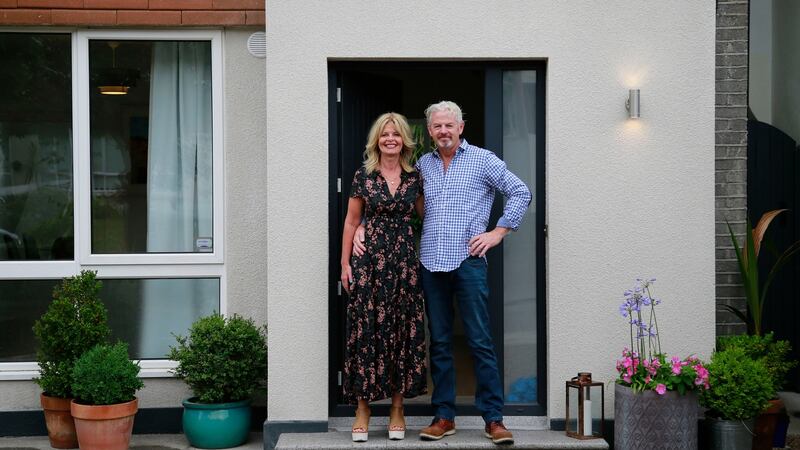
730, 434
649, 421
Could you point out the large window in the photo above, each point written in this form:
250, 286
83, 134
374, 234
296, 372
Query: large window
110, 160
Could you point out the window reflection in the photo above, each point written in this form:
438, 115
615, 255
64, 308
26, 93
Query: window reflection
36, 183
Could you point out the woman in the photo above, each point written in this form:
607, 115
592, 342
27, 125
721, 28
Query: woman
385, 354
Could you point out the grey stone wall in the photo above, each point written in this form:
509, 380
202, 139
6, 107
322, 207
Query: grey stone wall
730, 155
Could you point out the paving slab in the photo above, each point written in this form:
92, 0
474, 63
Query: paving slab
138, 442
462, 440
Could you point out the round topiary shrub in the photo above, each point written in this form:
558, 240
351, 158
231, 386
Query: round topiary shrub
105, 375
74, 322
224, 359
740, 386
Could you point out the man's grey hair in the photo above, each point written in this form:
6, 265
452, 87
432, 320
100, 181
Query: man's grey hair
444, 106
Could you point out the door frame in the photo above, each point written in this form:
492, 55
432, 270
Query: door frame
493, 103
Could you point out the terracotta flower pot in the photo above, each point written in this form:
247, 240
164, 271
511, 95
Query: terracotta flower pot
60, 426
765, 425
104, 427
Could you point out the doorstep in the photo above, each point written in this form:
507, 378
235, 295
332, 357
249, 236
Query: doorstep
463, 439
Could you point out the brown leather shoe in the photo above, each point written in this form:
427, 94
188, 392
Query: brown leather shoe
439, 428
498, 433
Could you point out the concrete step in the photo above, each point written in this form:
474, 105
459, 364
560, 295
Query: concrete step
463, 439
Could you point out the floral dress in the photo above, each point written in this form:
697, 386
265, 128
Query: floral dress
385, 351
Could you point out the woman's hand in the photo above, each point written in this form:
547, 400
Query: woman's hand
347, 279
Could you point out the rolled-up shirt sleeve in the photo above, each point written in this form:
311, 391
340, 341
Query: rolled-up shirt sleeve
518, 196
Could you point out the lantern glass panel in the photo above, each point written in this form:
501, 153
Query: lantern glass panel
572, 421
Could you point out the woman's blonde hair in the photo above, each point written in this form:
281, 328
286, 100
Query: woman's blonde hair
372, 154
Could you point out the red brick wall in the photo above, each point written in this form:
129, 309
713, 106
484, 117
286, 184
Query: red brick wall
171, 13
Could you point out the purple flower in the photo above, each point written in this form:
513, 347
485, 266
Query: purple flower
661, 389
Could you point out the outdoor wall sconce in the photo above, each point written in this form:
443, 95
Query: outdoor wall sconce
632, 103
585, 413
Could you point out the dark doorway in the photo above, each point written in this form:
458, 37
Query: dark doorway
503, 104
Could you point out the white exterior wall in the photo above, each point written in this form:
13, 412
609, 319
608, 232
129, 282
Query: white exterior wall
624, 198
245, 215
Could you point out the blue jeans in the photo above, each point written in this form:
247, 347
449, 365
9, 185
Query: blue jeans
469, 284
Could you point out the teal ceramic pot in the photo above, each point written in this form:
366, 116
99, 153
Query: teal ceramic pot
216, 425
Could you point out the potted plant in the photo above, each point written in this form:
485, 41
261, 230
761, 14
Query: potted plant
774, 355
105, 382
655, 400
223, 360
740, 389
74, 322
747, 257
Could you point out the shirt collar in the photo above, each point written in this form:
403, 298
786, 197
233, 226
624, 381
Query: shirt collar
461, 147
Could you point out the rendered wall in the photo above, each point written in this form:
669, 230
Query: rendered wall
624, 198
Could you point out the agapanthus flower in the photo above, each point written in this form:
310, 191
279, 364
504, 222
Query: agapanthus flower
657, 369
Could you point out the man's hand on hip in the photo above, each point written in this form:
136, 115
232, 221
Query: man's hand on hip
359, 248
480, 244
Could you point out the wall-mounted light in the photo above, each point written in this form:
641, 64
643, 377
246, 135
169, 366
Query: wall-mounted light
632, 103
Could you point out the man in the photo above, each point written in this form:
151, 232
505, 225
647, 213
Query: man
460, 181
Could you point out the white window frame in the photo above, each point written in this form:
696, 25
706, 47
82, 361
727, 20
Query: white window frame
83, 208
127, 266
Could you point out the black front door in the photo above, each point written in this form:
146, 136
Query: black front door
503, 105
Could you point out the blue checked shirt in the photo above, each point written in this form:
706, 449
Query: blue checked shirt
458, 203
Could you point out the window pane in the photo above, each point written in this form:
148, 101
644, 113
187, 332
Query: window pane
36, 219
519, 259
151, 146
143, 313
21, 303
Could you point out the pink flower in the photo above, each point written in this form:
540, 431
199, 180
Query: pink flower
627, 362
626, 378
661, 388
676, 365
647, 379
702, 376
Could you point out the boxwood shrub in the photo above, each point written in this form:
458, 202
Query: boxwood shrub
223, 359
74, 322
106, 376
773, 353
740, 385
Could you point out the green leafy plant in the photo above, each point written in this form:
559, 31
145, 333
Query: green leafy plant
772, 353
747, 257
74, 322
105, 375
740, 385
224, 359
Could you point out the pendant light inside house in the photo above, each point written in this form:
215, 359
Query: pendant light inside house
116, 81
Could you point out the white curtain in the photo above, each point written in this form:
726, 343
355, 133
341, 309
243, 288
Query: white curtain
179, 188
179, 197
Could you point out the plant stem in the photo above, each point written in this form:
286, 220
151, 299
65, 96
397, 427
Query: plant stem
654, 319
